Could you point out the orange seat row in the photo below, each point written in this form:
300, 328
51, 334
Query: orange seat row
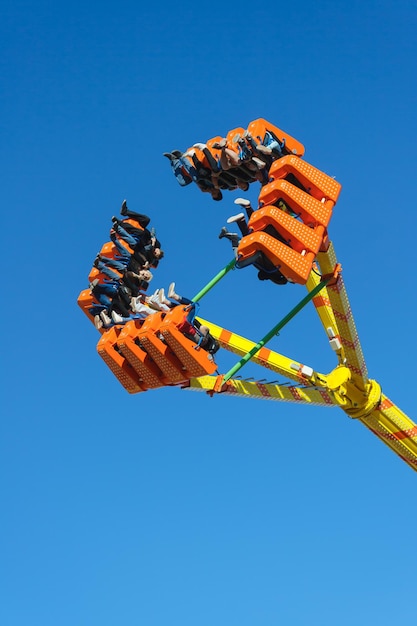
310, 196
153, 353
257, 129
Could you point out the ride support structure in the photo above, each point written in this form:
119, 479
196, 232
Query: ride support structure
289, 231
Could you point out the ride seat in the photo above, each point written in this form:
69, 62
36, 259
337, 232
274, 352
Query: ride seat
297, 235
197, 361
118, 364
310, 210
293, 265
163, 355
260, 126
316, 183
150, 376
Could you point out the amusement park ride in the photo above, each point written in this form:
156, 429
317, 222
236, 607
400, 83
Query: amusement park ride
288, 231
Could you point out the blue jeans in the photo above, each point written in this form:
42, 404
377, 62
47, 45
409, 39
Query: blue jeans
106, 271
184, 178
104, 292
118, 263
124, 254
127, 237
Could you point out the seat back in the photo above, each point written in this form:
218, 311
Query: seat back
118, 364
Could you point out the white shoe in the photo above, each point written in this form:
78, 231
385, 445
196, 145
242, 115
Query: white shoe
259, 163
235, 218
161, 295
134, 303
242, 202
200, 146
117, 319
263, 149
154, 303
105, 317
97, 322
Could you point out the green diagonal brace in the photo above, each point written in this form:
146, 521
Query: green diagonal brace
276, 329
214, 281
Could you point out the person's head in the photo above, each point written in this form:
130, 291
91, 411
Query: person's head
145, 275
158, 253
216, 194
204, 330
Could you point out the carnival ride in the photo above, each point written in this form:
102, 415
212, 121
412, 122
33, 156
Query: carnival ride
289, 232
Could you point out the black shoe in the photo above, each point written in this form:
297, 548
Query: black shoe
223, 232
177, 154
123, 210
115, 220
98, 259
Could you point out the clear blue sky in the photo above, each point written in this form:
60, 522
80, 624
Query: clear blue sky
171, 508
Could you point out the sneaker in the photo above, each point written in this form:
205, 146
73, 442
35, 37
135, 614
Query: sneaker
220, 144
106, 319
117, 319
177, 153
161, 295
154, 303
259, 163
235, 218
236, 138
242, 202
200, 146
171, 291
263, 149
135, 303
123, 210
235, 239
94, 283
97, 322
223, 232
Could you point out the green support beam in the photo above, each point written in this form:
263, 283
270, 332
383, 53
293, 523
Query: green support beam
214, 281
275, 330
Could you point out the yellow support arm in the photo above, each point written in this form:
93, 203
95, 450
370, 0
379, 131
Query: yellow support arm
339, 303
266, 358
265, 391
395, 429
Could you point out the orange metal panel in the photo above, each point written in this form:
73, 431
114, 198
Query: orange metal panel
292, 264
316, 182
258, 127
161, 353
312, 212
196, 361
299, 236
118, 364
150, 375
86, 301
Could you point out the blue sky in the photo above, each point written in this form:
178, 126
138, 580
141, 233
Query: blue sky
170, 507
